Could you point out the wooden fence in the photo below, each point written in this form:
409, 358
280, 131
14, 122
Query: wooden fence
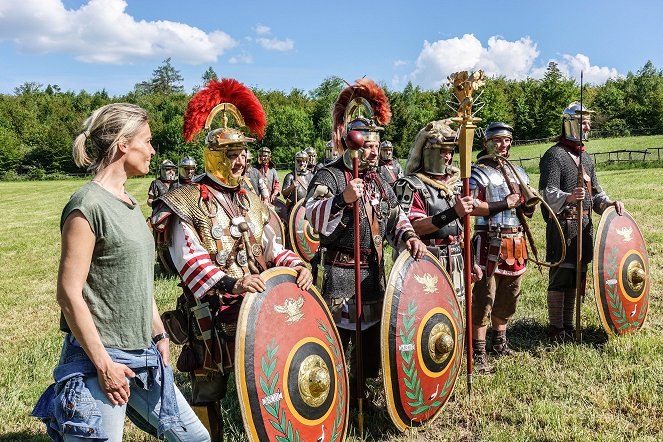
611, 157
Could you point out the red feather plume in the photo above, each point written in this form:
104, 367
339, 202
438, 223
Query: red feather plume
227, 90
367, 89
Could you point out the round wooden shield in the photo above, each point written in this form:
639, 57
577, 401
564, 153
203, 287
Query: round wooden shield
421, 340
303, 238
277, 225
621, 273
289, 364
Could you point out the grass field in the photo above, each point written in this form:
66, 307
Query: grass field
602, 390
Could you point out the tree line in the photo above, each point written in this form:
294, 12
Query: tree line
38, 124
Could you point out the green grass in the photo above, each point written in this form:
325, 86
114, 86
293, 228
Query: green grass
602, 390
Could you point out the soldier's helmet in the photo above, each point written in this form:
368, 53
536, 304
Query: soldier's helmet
231, 99
497, 129
188, 167
167, 170
572, 118
426, 151
264, 155
312, 156
330, 153
362, 107
301, 161
386, 151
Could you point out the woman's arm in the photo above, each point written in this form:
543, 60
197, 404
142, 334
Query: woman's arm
76, 256
163, 345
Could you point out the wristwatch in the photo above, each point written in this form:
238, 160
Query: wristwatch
160, 336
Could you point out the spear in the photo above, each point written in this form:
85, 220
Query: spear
464, 85
355, 141
580, 286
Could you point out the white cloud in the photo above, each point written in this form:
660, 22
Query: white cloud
399, 63
102, 32
241, 59
262, 30
274, 44
572, 65
513, 59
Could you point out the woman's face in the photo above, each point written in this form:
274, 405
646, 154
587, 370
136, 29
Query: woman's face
139, 152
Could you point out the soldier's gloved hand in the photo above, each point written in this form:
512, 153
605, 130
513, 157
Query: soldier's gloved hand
416, 248
249, 284
464, 206
578, 194
353, 191
304, 277
619, 207
513, 200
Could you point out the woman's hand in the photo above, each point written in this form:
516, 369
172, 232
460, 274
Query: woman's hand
113, 382
164, 348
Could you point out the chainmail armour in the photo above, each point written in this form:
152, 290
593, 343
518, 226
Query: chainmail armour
184, 202
559, 170
437, 199
300, 191
339, 281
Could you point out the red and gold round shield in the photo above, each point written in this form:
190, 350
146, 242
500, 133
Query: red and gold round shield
421, 340
289, 365
303, 238
621, 273
276, 225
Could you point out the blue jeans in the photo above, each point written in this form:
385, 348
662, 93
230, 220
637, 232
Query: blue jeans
147, 404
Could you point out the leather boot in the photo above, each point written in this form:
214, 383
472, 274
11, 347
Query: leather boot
500, 345
557, 335
480, 357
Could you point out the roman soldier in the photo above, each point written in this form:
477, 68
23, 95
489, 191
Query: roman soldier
430, 196
390, 168
330, 153
562, 187
295, 183
220, 241
187, 170
329, 208
254, 180
500, 242
268, 171
165, 182
313, 164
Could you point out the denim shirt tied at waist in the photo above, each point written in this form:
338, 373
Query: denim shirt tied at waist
67, 407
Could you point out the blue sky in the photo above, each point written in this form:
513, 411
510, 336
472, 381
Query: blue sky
114, 44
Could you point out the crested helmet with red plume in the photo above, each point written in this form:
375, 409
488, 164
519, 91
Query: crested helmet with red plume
362, 107
230, 98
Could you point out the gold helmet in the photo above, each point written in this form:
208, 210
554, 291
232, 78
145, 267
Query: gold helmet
230, 98
363, 97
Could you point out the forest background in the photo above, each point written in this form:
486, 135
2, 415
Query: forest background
38, 123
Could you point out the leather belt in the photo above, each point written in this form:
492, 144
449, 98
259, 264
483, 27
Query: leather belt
501, 229
571, 213
337, 257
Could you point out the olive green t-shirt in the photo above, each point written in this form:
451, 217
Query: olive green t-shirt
119, 287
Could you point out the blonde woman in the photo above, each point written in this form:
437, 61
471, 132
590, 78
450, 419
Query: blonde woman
115, 357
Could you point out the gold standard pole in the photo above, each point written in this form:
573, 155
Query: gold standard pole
464, 85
